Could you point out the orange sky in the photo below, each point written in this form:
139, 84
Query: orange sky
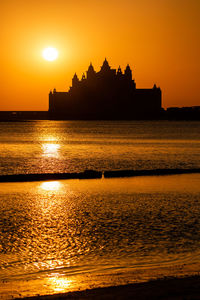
160, 39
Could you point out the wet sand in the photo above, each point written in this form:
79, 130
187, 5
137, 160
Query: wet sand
167, 288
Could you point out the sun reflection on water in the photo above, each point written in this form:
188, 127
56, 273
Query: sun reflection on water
50, 150
59, 284
49, 138
50, 185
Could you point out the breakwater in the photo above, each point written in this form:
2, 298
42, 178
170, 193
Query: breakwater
93, 174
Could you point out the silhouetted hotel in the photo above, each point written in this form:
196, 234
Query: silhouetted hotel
107, 94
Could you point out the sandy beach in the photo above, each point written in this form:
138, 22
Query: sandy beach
167, 288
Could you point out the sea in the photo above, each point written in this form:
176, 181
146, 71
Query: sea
69, 235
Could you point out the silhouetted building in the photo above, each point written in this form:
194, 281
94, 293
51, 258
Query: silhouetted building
107, 94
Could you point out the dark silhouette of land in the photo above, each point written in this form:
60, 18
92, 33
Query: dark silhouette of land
169, 289
93, 174
21, 116
107, 94
183, 113
172, 113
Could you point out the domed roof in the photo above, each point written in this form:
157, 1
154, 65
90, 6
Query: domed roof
105, 65
91, 68
128, 68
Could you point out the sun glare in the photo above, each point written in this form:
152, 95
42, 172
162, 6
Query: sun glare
50, 54
50, 150
50, 185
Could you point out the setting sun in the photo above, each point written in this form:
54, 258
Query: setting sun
50, 54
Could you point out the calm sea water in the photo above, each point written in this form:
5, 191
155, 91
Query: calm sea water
47, 146
58, 236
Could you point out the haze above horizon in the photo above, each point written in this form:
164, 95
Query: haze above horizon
159, 39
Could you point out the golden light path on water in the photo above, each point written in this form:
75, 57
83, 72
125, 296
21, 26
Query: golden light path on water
50, 146
50, 150
51, 185
59, 284
55, 283
78, 234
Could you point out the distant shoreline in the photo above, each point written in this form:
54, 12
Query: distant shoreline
93, 174
167, 288
171, 113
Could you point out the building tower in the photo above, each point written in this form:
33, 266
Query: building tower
119, 71
105, 67
75, 80
90, 72
128, 73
